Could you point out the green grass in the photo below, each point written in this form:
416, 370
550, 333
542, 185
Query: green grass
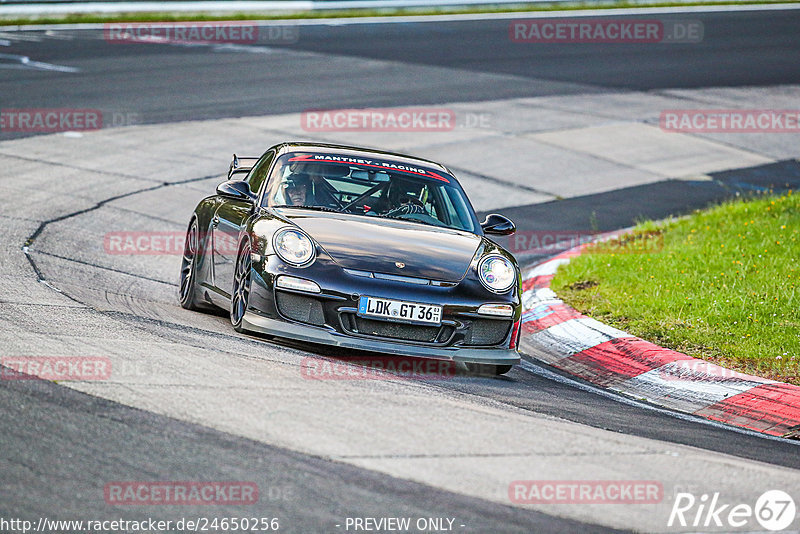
721, 284
75, 18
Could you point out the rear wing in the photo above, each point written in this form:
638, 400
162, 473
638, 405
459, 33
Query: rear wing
240, 167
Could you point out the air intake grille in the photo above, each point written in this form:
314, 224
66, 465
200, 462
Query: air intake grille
407, 332
300, 308
487, 332
400, 331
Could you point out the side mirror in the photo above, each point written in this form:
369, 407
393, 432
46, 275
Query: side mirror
495, 224
235, 189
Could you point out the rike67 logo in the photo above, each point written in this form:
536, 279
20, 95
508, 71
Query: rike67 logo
774, 510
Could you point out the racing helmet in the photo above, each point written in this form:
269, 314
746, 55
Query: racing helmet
403, 190
296, 180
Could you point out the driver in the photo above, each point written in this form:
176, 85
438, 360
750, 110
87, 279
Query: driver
298, 190
402, 198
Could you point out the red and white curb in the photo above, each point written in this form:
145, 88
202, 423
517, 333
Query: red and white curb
560, 336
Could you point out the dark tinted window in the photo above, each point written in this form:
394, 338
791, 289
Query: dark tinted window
259, 173
369, 187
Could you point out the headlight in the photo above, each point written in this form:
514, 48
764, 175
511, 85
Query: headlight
294, 247
497, 273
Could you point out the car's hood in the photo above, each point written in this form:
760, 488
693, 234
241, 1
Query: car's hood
374, 244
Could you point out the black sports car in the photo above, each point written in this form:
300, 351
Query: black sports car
355, 248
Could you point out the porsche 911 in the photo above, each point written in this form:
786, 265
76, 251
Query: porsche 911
355, 248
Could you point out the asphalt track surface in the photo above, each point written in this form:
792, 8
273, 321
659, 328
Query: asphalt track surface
58, 443
167, 83
61, 446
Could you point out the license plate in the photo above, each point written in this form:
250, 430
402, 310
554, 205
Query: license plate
399, 310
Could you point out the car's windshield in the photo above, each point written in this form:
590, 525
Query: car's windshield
369, 187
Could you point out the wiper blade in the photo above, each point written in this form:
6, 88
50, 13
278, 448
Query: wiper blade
315, 208
402, 217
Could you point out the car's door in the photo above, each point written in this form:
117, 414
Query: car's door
227, 222
225, 234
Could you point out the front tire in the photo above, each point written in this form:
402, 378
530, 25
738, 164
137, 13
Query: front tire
240, 296
188, 294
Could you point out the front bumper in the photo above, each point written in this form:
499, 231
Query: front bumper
281, 328
330, 317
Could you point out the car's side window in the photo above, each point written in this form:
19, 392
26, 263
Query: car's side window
275, 192
258, 175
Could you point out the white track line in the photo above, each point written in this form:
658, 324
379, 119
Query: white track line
19, 36
24, 62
